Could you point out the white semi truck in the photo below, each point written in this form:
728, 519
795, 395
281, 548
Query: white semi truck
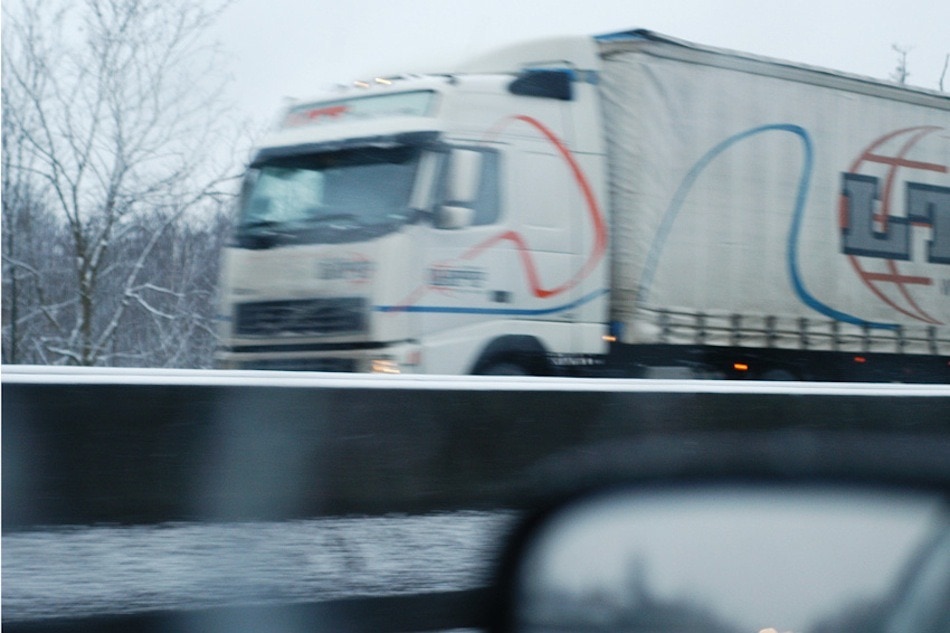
621, 205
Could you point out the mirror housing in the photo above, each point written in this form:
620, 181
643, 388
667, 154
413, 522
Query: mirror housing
727, 558
706, 532
452, 217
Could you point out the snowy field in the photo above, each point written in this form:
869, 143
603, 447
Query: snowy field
120, 569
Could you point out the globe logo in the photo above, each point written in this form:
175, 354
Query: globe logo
895, 221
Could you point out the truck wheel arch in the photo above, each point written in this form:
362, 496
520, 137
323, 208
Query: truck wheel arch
514, 351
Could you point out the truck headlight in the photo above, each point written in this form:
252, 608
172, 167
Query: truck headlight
384, 366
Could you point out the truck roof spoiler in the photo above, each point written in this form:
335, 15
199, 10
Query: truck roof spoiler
576, 52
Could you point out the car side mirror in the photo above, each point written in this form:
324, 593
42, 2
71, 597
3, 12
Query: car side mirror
733, 557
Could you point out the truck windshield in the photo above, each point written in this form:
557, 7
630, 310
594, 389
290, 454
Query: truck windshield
332, 196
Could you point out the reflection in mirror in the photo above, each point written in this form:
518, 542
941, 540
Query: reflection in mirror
738, 559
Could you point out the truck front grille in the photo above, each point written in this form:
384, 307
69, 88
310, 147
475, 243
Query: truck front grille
303, 364
315, 317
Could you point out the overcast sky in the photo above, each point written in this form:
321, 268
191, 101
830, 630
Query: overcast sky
296, 48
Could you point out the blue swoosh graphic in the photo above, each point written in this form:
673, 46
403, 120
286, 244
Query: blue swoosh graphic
498, 311
804, 183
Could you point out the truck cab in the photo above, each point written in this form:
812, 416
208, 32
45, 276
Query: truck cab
434, 224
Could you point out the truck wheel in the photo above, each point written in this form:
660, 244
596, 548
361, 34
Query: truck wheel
778, 374
504, 369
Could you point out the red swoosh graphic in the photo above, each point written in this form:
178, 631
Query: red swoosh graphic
598, 249
599, 246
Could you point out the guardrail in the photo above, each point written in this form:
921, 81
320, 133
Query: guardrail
148, 446
377, 614
140, 447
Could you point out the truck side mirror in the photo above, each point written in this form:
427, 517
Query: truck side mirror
464, 174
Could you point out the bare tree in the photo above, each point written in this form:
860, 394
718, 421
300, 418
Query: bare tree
171, 322
114, 107
900, 73
943, 73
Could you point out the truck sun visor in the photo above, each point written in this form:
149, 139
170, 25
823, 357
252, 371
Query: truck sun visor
418, 139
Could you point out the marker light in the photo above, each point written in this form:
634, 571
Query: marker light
740, 366
860, 359
383, 81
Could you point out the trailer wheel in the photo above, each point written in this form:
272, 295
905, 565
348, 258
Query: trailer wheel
778, 374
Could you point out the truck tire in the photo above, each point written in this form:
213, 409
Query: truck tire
513, 355
504, 369
778, 374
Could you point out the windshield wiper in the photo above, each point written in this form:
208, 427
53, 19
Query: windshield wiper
258, 225
333, 217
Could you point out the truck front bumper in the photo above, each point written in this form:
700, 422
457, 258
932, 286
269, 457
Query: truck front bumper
399, 358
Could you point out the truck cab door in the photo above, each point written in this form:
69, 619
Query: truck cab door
463, 274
